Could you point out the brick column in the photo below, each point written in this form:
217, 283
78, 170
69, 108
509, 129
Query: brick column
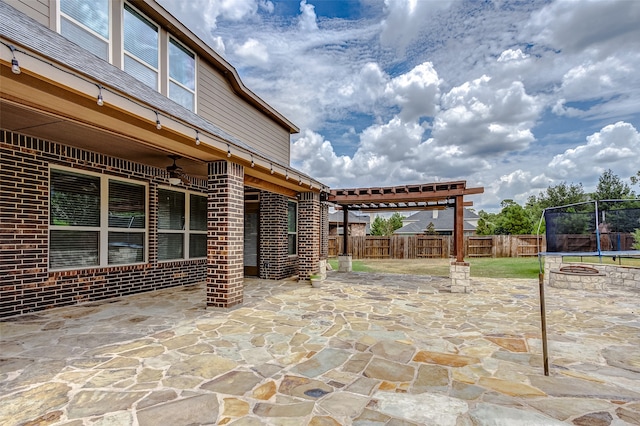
275, 263
324, 231
308, 234
225, 235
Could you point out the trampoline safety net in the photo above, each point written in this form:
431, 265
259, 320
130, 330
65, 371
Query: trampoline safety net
595, 226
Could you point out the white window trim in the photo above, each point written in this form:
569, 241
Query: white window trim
195, 72
103, 229
134, 57
297, 225
61, 14
186, 232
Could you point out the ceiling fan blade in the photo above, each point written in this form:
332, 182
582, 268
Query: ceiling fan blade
184, 178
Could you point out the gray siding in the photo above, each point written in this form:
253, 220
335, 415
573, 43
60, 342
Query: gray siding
35, 9
219, 104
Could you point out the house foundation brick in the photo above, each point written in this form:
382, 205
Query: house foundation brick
225, 235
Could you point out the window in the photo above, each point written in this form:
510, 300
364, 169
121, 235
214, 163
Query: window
86, 23
292, 228
182, 225
182, 75
95, 220
140, 47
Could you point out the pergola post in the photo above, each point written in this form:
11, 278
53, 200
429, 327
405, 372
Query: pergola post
344, 261
459, 271
458, 229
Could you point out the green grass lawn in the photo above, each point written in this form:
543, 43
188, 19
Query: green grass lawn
506, 267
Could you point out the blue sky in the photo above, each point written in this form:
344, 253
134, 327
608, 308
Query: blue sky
512, 96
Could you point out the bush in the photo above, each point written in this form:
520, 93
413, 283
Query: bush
636, 239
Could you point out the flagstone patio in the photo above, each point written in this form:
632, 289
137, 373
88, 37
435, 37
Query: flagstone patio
364, 349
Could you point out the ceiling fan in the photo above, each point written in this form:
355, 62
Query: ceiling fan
176, 175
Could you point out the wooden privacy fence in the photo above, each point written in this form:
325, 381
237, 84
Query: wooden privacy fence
437, 246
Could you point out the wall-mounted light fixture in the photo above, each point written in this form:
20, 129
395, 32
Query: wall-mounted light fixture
15, 66
100, 101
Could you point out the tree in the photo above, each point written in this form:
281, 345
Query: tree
486, 223
611, 187
558, 195
386, 227
395, 222
379, 226
513, 219
430, 229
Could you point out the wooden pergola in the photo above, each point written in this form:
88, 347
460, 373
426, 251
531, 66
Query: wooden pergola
428, 196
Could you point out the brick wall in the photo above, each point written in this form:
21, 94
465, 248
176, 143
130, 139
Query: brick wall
275, 263
225, 242
26, 285
309, 231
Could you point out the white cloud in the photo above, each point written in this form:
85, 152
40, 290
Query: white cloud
312, 154
616, 147
307, 21
578, 25
416, 92
484, 118
406, 19
253, 52
511, 55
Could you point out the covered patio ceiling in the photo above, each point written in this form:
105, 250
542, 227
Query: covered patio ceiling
427, 196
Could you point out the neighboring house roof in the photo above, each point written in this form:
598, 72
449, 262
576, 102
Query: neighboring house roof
338, 217
442, 221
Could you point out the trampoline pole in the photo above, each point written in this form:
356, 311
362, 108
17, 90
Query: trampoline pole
543, 324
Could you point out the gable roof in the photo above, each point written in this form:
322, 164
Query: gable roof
442, 221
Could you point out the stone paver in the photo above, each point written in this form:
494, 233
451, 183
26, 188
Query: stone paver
364, 349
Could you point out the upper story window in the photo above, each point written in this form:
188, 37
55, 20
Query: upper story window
182, 74
141, 47
86, 23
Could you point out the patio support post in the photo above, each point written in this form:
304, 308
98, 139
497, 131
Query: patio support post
225, 234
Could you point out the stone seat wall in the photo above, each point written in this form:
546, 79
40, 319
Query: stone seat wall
608, 275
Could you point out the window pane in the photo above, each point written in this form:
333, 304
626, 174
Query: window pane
181, 95
75, 199
127, 205
69, 249
94, 14
126, 247
198, 213
292, 217
140, 37
182, 65
141, 72
84, 39
170, 209
198, 245
292, 244
170, 246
